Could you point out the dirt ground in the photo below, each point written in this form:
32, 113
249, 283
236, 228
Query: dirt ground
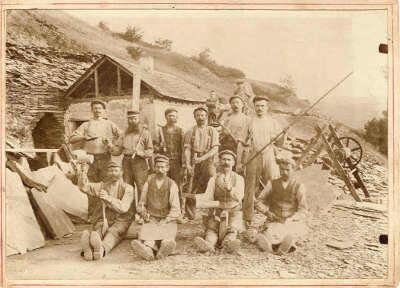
367, 258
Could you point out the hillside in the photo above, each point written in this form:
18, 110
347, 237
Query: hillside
66, 33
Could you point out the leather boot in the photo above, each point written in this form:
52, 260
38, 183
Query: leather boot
142, 250
85, 244
97, 244
166, 248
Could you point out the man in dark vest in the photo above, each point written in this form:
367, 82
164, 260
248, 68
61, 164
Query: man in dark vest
111, 216
159, 203
169, 142
223, 223
283, 201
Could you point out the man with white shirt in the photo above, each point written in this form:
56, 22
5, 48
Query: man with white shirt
99, 136
260, 131
223, 223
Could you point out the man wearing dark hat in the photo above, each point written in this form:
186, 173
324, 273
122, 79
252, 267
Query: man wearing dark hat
111, 216
260, 131
137, 147
159, 203
234, 126
200, 154
223, 223
99, 136
283, 201
169, 142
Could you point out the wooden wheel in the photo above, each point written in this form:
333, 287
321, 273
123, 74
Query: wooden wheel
353, 148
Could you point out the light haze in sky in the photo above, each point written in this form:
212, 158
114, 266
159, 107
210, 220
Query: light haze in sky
317, 48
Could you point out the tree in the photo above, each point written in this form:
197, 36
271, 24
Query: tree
103, 26
164, 44
132, 34
287, 83
376, 132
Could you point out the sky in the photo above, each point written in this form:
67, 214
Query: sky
316, 48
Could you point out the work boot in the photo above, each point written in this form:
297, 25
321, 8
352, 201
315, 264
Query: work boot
263, 243
97, 244
87, 252
203, 245
251, 234
166, 248
231, 245
142, 250
286, 244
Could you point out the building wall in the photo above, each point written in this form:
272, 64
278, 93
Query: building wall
25, 107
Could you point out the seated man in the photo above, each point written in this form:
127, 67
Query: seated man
159, 204
224, 222
283, 201
111, 214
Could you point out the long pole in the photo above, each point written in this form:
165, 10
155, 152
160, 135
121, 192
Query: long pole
301, 114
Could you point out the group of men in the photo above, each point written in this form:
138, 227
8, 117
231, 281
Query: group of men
165, 178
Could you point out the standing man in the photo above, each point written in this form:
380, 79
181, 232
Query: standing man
261, 130
111, 217
137, 148
224, 222
234, 127
284, 203
159, 203
200, 155
169, 142
99, 136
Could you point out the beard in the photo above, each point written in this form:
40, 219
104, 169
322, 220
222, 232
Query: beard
132, 128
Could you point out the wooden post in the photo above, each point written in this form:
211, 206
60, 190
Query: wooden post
96, 83
137, 79
118, 81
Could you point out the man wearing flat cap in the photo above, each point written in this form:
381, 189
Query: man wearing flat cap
137, 148
112, 213
234, 126
261, 129
169, 142
200, 155
159, 203
99, 137
224, 222
283, 201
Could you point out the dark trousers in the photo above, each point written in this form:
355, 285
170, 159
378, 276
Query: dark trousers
135, 171
97, 172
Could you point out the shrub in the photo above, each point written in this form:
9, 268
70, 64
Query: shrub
131, 34
135, 52
376, 133
164, 44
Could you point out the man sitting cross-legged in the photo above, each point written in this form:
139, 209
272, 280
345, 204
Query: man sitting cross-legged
224, 221
283, 201
159, 204
111, 214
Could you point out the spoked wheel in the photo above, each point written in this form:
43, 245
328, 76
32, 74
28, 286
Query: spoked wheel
351, 153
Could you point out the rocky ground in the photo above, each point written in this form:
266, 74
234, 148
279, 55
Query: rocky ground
343, 243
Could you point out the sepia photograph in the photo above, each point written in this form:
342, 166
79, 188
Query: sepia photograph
199, 144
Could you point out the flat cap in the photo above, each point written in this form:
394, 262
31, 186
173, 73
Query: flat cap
260, 97
102, 103
286, 161
113, 164
228, 152
170, 110
201, 107
161, 158
235, 96
132, 113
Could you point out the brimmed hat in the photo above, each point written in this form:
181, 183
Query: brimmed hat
201, 107
229, 152
260, 97
112, 164
161, 158
102, 103
170, 110
131, 113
